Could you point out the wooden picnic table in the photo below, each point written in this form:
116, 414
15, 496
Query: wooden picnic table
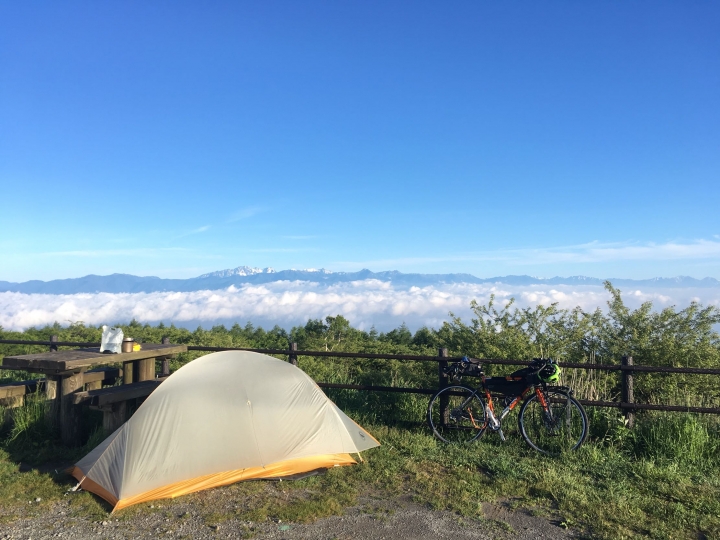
64, 371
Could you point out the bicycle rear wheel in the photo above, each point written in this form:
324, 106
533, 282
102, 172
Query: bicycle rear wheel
456, 414
561, 428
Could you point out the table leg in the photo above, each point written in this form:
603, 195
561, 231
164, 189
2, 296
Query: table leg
128, 372
70, 414
139, 370
145, 369
51, 398
165, 370
149, 371
114, 416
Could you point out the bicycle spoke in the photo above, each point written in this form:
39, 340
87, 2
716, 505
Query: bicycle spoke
560, 428
456, 414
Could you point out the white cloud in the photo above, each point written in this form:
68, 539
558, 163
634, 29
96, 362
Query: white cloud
199, 230
247, 212
364, 303
597, 252
281, 250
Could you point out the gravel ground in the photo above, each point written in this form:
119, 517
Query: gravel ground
373, 518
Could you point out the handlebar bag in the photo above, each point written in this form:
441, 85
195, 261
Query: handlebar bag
472, 369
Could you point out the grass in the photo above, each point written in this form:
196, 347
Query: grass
661, 479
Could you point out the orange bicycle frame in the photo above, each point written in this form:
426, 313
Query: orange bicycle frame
507, 409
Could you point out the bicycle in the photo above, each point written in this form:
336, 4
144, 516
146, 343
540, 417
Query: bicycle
551, 420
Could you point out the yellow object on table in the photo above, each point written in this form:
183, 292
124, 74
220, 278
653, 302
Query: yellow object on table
137, 347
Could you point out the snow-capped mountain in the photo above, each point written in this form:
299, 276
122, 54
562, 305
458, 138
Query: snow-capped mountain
222, 279
239, 271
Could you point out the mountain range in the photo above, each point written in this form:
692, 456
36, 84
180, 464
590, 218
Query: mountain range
222, 279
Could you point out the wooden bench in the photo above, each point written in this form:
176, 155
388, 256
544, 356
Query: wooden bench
13, 394
113, 401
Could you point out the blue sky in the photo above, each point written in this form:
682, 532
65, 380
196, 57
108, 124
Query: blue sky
177, 138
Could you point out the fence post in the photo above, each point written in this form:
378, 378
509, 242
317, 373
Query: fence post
627, 389
53, 339
165, 369
292, 357
442, 383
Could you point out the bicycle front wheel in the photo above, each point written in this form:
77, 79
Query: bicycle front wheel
561, 427
456, 414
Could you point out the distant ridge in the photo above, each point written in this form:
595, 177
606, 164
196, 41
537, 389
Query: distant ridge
222, 279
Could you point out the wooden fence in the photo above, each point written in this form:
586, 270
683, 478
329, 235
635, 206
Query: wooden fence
628, 371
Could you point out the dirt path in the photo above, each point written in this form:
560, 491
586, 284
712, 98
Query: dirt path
394, 519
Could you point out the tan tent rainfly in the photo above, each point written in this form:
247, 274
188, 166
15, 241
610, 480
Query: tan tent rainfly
222, 418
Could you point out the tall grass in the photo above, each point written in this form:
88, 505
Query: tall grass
31, 422
680, 438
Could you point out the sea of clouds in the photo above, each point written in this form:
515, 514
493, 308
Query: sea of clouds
365, 303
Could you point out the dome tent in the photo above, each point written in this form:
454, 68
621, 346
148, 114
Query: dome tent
222, 418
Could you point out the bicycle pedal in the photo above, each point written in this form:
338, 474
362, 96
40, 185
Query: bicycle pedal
502, 435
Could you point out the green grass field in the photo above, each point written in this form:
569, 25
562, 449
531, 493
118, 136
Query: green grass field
660, 480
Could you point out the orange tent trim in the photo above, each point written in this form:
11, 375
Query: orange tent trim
274, 470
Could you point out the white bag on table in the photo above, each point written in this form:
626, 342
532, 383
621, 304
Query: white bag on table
111, 340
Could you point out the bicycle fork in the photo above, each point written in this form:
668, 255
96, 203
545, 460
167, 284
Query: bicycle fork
547, 411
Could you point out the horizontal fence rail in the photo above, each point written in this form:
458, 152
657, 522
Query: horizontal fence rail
626, 369
413, 357
51, 343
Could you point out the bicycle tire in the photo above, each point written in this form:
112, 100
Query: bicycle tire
564, 431
465, 419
